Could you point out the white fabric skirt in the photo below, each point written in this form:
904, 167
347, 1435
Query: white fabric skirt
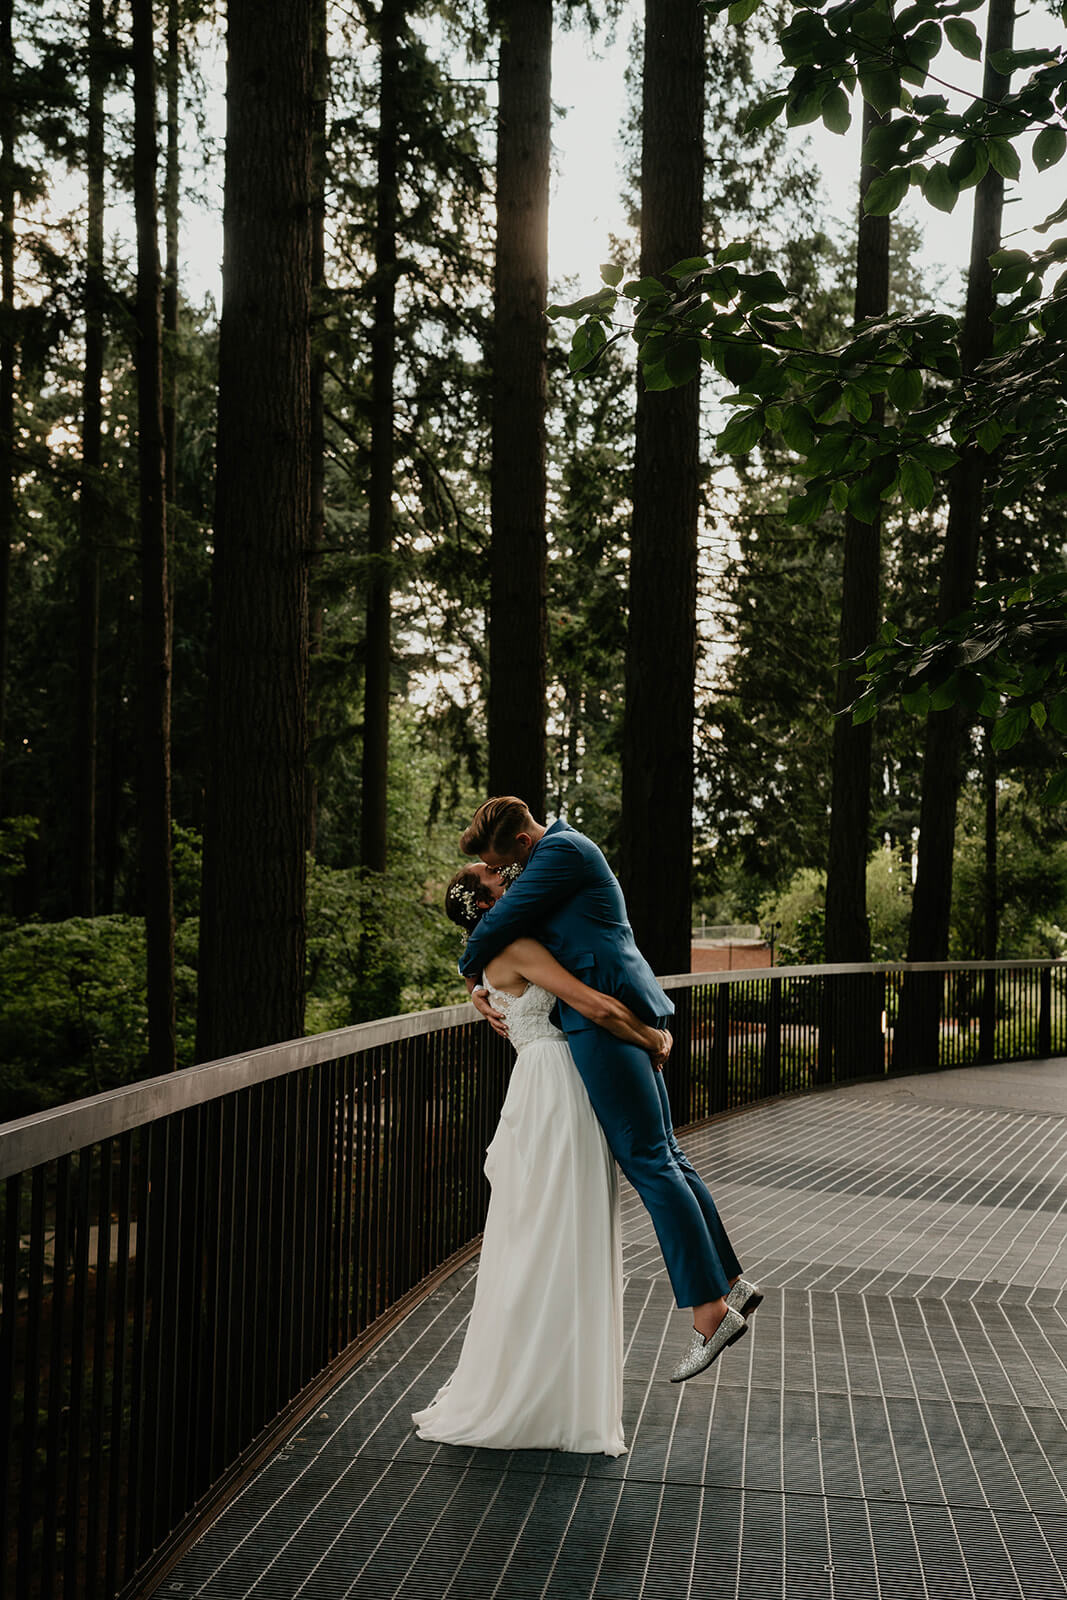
541, 1363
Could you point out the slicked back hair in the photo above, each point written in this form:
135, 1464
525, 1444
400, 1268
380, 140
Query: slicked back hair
495, 825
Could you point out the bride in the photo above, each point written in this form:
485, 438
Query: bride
541, 1363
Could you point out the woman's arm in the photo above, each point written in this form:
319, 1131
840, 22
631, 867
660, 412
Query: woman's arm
533, 962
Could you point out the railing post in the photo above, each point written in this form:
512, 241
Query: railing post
719, 1087
772, 1045
1044, 1016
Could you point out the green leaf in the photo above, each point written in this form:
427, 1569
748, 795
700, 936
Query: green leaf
741, 433
916, 483
804, 107
1009, 728
740, 250
765, 113
742, 361
940, 188
797, 429
1038, 714
1057, 713
657, 377
865, 497
885, 193
963, 36
686, 269
880, 87
969, 163
857, 401
1004, 157
905, 387
989, 435
741, 10
611, 274
809, 506
1055, 792
836, 112
916, 701
644, 289
1048, 148
682, 361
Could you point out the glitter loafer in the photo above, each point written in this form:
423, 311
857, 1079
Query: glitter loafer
702, 1352
744, 1297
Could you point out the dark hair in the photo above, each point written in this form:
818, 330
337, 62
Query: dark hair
461, 903
495, 825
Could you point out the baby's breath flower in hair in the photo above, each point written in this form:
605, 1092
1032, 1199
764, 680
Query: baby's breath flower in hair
508, 874
460, 895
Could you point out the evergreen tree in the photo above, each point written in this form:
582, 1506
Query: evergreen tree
253, 912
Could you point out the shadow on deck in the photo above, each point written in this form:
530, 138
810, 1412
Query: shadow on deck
894, 1426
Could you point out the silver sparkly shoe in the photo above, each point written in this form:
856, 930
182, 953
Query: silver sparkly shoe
702, 1352
745, 1297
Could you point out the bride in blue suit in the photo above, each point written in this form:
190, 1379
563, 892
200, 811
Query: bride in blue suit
568, 899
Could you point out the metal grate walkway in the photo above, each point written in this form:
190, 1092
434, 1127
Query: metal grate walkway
893, 1426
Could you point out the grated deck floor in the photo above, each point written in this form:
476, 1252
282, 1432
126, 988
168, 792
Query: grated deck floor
894, 1425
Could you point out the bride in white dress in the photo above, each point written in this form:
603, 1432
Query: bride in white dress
541, 1363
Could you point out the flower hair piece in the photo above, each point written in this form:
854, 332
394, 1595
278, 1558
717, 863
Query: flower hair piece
462, 896
508, 874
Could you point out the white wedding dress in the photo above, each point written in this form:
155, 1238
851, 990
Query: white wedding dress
541, 1363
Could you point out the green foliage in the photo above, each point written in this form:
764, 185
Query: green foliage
1031, 877
73, 1017
714, 309
800, 912
1004, 660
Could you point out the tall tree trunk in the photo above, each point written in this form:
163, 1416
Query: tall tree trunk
848, 934
155, 592
375, 774
518, 552
318, 372
253, 911
91, 509
916, 1037
657, 753
7, 345
172, 225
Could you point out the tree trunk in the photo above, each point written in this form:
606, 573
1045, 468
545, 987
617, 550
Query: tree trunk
7, 345
848, 934
172, 224
518, 552
318, 372
375, 773
91, 510
657, 753
155, 593
916, 1041
253, 913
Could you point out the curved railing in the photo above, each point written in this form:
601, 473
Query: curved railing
190, 1261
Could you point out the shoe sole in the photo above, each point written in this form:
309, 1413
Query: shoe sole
750, 1304
696, 1374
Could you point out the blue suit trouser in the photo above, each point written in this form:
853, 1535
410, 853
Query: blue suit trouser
630, 1100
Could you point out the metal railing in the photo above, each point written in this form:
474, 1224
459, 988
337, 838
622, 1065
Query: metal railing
188, 1262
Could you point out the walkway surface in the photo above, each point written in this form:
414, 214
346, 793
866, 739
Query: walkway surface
893, 1426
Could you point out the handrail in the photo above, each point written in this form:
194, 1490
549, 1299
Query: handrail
59, 1130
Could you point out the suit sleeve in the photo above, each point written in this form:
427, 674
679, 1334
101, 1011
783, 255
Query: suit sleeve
556, 873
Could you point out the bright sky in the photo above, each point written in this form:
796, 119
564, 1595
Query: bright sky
588, 87
588, 84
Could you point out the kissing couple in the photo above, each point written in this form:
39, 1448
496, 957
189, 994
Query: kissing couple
553, 965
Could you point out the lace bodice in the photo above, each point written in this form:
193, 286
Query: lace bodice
527, 1014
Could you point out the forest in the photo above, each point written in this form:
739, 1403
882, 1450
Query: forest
749, 559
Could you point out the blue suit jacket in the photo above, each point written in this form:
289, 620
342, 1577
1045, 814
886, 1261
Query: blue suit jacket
569, 899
